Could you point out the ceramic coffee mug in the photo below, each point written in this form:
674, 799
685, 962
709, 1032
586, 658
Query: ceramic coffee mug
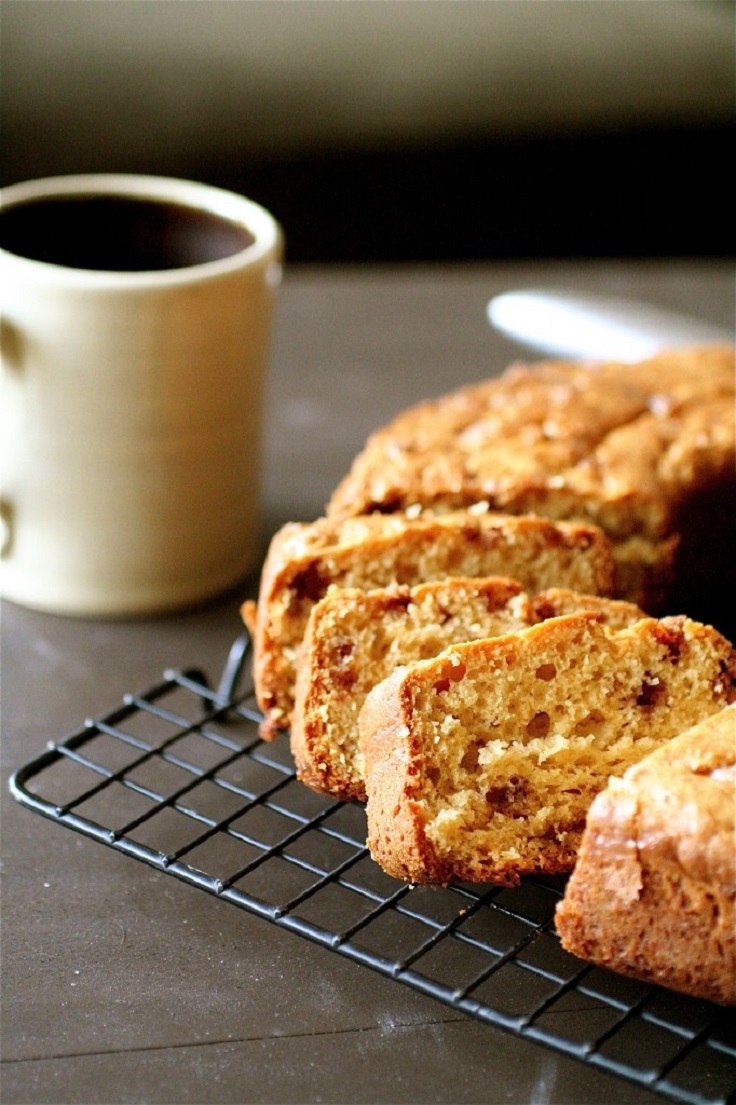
137, 314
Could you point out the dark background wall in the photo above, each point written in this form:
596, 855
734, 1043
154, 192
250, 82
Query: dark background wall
660, 192
383, 130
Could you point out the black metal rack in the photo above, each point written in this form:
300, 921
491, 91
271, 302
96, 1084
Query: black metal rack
177, 777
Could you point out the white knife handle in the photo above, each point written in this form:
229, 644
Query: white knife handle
565, 324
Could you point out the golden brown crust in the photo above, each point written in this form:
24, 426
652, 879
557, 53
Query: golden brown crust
635, 449
354, 639
653, 892
481, 764
304, 559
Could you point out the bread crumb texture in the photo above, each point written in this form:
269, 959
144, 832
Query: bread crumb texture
481, 764
305, 559
355, 639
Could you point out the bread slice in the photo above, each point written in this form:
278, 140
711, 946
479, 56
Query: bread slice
653, 891
645, 451
481, 764
354, 639
304, 559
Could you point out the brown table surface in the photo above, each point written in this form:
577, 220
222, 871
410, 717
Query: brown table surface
121, 984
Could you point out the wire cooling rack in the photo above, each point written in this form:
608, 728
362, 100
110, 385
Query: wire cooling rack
177, 777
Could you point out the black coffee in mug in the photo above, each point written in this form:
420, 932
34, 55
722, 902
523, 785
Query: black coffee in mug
118, 233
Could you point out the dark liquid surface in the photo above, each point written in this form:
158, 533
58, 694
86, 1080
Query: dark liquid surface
118, 234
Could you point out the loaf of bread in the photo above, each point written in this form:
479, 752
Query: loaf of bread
304, 559
481, 764
354, 640
653, 890
645, 451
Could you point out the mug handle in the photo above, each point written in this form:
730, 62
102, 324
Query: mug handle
6, 527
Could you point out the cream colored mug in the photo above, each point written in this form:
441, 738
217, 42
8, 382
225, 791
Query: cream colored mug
137, 314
